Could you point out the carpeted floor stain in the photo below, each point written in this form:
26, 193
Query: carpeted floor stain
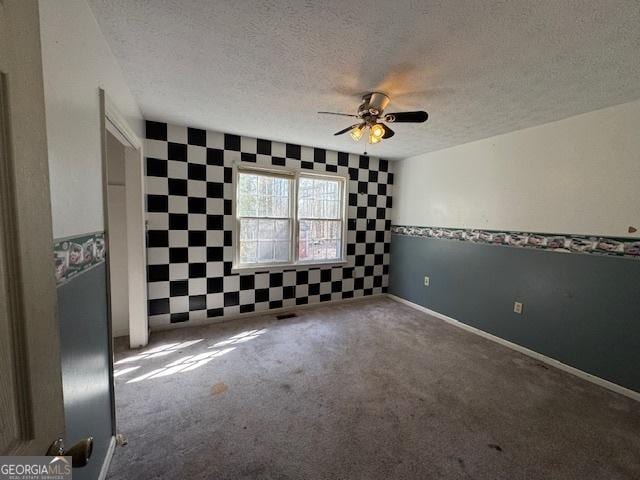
219, 388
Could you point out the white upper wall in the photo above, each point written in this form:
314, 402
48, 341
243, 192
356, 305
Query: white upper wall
77, 62
580, 175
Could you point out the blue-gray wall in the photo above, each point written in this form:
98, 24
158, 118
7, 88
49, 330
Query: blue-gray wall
580, 309
82, 312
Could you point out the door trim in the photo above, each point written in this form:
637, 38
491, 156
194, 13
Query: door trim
111, 120
116, 124
103, 149
10, 243
104, 470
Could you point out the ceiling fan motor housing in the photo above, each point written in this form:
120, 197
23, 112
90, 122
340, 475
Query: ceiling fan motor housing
373, 104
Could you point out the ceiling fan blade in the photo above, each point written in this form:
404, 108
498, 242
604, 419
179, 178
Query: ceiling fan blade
341, 114
346, 129
407, 117
388, 133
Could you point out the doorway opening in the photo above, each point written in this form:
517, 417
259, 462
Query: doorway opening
117, 227
125, 232
124, 206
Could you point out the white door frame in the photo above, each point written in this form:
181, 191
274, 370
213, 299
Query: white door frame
116, 124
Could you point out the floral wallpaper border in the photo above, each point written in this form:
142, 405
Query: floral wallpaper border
75, 255
629, 248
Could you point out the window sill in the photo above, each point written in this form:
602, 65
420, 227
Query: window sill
287, 266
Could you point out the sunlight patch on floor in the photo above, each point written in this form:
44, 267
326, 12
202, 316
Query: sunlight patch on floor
159, 351
240, 338
185, 364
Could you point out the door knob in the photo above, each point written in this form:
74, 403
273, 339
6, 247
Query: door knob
79, 453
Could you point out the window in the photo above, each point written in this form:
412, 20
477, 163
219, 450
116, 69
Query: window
319, 219
264, 213
288, 218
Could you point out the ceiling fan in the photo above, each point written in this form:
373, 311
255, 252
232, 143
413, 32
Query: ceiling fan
371, 115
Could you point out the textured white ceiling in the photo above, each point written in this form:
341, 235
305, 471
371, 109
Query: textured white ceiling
480, 68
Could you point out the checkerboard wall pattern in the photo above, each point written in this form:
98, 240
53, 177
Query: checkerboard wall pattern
190, 243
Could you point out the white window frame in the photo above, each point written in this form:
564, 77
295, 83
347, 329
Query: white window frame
294, 175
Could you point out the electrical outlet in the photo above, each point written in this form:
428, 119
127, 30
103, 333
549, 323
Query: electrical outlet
517, 308
426, 281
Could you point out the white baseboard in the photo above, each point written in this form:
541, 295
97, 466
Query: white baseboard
107, 459
614, 387
263, 313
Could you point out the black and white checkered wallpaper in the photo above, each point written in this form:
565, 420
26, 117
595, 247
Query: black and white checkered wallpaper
189, 214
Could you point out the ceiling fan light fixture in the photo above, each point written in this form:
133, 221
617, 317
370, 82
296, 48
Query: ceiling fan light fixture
373, 135
357, 133
377, 130
376, 133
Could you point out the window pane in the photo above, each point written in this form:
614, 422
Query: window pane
248, 229
282, 250
264, 240
263, 196
265, 251
282, 230
320, 240
248, 250
272, 251
247, 191
318, 198
266, 229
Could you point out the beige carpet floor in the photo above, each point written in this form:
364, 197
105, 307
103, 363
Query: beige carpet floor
361, 390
